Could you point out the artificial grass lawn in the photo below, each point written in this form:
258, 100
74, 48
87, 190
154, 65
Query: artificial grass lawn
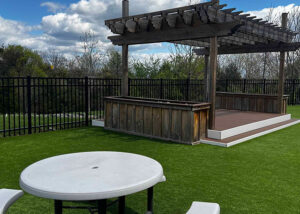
258, 176
294, 110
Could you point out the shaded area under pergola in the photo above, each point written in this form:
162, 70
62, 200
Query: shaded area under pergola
212, 28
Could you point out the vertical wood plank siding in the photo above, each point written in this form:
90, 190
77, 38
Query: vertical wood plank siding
249, 102
181, 122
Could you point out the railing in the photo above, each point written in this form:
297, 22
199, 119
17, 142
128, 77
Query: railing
35, 104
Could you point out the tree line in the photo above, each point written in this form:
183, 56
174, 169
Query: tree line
95, 60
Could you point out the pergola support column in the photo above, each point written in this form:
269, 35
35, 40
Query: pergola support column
213, 53
124, 88
281, 77
124, 84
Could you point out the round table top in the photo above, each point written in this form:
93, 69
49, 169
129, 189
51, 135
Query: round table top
91, 176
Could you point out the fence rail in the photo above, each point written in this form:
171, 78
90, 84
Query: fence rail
34, 104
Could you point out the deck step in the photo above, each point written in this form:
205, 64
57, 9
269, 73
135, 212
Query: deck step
223, 134
234, 140
98, 123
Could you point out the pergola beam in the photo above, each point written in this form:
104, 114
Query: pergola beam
258, 48
177, 34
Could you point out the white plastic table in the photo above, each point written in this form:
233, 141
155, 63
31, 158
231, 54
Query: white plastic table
92, 176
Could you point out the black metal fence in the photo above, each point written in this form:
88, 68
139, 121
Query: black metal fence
31, 105
194, 89
264, 86
34, 104
170, 89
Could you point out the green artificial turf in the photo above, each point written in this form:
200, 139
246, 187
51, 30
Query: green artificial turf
294, 110
260, 176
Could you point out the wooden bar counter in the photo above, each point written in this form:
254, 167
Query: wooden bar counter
249, 102
176, 121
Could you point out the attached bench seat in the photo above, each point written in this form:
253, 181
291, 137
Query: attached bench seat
7, 198
204, 208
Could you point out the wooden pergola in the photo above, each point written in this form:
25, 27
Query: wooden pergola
209, 26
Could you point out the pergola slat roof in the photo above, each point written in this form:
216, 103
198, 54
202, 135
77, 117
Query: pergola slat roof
195, 24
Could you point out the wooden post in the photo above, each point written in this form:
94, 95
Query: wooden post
125, 8
124, 92
213, 53
207, 78
281, 77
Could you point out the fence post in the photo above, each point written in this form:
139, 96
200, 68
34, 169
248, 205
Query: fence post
129, 82
188, 89
161, 89
29, 104
244, 86
294, 95
86, 87
264, 86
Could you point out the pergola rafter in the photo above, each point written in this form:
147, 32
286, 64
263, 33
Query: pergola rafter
209, 26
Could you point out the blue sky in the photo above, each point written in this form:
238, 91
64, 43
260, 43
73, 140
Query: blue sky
31, 12
40, 24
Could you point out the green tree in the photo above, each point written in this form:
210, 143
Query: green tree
147, 69
175, 67
112, 66
21, 61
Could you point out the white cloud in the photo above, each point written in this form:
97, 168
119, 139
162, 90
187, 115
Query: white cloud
62, 30
53, 6
91, 7
142, 57
274, 13
11, 27
66, 26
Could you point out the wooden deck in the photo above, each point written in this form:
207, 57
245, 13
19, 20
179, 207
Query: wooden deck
234, 127
227, 119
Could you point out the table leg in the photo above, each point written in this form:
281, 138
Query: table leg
57, 207
150, 200
101, 206
122, 205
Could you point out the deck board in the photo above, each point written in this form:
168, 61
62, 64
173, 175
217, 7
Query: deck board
227, 119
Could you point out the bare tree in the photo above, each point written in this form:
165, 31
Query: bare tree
90, 60
293, 58
55, 58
